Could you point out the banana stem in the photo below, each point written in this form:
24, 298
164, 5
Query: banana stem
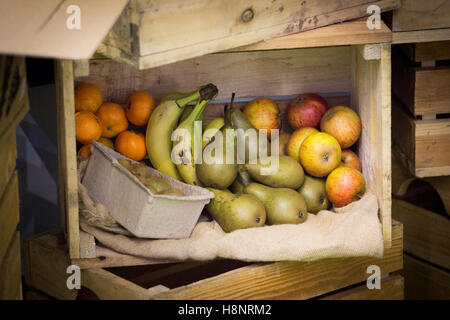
197, 112
185, 100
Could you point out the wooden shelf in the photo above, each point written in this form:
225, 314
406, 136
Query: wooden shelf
421, 36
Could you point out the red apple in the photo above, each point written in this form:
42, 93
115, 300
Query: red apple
342, 123
350, 159
344, 185
306, 110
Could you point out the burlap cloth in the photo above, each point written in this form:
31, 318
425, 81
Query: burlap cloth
354, 230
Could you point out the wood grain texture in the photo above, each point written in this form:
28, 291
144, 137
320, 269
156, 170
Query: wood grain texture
424, 281
8, 158
421, 36
11, 272
427, 234
427, 51
432, 94
67, 154
249, 74
392, 288
290, 280
421, 15
347, 33
371, 97
9, 214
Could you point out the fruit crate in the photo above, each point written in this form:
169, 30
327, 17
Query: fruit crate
215, 280
420, 112
419, 21
343, 69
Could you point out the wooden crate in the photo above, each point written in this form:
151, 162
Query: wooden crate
420, 21
148, 34
356, 75
46, 261
9, 214
420, 116
11, 272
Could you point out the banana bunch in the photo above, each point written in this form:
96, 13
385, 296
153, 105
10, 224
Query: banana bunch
162, 122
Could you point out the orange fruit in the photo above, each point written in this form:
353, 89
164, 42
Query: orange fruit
106, 142
85, 151
139, 107
87, 127
131, 145
113, 118
88, 97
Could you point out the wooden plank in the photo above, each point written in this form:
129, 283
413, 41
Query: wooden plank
432, 94
433, 172
424, 281
440, 184
432, 139
8, 158
67, 154
421, 15
290, 280
421, 36
371, 97
9, 214
427, 234
392, 288
11, 273
168, 44
427, 51
403, 80
347, 33
46, 262
249, 74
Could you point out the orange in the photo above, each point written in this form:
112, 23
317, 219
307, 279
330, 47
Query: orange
88, 97
106, 142
113, 118
87, 127
85, 151
131, 145
139, 108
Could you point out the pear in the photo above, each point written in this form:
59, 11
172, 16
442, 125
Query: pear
236, 211
237, 187
288, 175
283, 205
313, 191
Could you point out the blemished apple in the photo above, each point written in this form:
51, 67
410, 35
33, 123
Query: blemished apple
296, 140
306, 110
345, 185
320, 154
263, 113
350, 159
342, 123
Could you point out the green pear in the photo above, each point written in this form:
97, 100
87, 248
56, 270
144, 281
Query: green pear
283, 205
313, 191
288, 175
236, 211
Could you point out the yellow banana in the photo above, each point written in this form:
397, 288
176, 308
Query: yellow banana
211, 130
161, 124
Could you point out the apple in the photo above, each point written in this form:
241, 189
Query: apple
320, 154
263, 113
283, 140
306, 110
296, 140
350, 159
342, 123
345, 185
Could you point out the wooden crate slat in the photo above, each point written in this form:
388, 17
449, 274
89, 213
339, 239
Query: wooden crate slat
427, 234
9, 214
421, 36
432, 94
427, 51
11, 272
392, 288
8, 158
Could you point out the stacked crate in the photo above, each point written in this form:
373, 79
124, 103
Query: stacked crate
13, 107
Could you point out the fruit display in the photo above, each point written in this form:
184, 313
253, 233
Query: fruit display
256, 179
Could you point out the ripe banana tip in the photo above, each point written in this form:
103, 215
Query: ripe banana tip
208, 92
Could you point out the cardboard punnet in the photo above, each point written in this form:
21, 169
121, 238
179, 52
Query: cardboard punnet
134, 206
56, 28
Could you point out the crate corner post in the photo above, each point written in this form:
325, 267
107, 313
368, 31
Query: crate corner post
67, 154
